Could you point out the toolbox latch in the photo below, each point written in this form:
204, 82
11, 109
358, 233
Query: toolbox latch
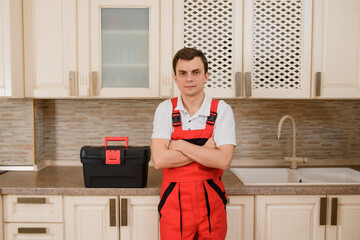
112, 157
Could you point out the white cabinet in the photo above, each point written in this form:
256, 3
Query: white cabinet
336, 49
125, 48
11, 49
259, 49
139, 218
281, 217
50, 46
91, 218
343, 217
1, 219
240, 218
97, 48
277, 48
33, 217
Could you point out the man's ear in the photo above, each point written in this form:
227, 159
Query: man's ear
207, 75
174, 76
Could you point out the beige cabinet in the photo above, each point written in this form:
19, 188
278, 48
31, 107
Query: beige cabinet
240, 217
97, 48
33, 217
259, 49
139, 217
336, 49
11, 49
91, 218
278, 217
277, 48
343, 219
1, 219
50, 48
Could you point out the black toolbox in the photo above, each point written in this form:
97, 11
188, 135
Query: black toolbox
115, 166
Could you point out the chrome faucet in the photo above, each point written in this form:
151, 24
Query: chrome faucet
293, 159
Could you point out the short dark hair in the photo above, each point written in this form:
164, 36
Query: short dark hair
189, 54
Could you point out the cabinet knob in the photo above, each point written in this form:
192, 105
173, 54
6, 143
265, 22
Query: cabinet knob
334, 211
318, 84
323, 206
94, 84
112, 203
72, 83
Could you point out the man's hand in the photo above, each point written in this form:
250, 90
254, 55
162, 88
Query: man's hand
210, 143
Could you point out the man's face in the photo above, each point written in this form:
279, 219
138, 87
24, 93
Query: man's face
190, 76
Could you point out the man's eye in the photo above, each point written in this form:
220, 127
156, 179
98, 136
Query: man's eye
196, 73
181, 73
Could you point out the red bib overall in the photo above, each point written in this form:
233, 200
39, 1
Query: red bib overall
193, 198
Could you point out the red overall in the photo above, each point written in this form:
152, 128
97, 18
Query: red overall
193, 197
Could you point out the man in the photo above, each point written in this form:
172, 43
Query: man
193, 142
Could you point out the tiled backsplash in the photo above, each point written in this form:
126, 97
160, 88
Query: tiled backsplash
326, 129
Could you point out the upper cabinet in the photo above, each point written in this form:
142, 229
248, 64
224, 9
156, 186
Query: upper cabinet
336, 49
277, 48
96, 48
50, 44
11, 49
255, 48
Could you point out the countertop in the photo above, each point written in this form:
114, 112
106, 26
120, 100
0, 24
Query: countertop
69, 181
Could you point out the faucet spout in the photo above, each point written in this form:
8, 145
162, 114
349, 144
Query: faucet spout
293, 159
278, 135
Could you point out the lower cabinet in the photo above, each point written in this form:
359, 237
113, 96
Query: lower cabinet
33, 217
240, 218
313, 217
91, 218
139, 218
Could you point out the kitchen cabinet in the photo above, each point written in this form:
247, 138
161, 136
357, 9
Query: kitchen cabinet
240, 217
278, 217
139, 217
91, 217
259, 49
50, 49
336, 49
1, 219
33, 217
97, 48
332, 217
11, 49
343, 217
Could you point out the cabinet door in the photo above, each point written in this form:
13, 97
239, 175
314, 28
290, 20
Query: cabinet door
343, 218
91, 218
1, 219
284, 217
215, 27
125, 48
11, 49
50, 48
240, 218
139, 218
34, 231
336, 49
277, 48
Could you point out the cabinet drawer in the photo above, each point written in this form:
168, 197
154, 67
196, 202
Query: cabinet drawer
15, 231
20, 208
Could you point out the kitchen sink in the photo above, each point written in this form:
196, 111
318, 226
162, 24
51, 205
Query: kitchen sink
304, 176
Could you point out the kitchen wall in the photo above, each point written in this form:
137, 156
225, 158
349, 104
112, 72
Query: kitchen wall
328, 130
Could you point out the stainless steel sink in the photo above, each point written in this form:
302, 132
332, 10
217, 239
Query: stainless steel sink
304, 176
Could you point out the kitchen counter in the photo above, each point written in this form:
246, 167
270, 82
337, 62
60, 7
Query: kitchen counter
69, 181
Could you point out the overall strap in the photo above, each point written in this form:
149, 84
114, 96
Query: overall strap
176, 119
213, 115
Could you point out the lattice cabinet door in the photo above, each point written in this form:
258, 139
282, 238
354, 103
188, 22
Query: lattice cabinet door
277, 48
215, 27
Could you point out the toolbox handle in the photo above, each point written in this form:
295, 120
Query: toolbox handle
126, 139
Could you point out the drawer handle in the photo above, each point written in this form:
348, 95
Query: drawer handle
31, 200
323, 206
124, 212
94, 83
32, 230
112, 212
334, 211
238, 79
318, 84
248, 84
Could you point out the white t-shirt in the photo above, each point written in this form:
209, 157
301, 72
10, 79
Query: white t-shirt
224, 128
